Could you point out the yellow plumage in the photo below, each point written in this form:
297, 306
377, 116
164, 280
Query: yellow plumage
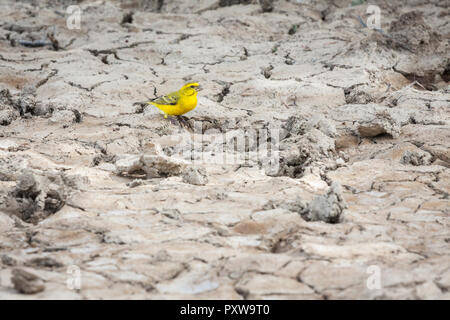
178, 102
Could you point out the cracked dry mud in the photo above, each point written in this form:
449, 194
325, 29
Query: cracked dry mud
90, 178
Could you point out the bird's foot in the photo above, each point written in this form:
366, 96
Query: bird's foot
184, 123
173, 121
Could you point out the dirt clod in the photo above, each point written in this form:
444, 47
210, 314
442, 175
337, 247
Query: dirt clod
327, 208
195, 176
26, 282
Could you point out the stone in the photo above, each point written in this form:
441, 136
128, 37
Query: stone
44, 262
416, 158
327, 208
195, 176
128, 163
162, 166
26, 282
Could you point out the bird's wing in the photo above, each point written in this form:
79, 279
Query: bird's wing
168, 99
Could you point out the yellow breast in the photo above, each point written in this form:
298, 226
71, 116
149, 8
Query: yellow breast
185, 104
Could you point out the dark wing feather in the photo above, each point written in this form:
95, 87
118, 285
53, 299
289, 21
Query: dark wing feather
168, 99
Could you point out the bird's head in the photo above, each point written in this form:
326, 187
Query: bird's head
190, 88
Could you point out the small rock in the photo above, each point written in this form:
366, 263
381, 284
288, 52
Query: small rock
371, 130
161, 256
53, 201
267, 72
39, 193
7, 116
226, 3
266, 5
162, 166
128, 164
416, 158
319, 122
77, 116
26, 282
171, 214
8, 145
373, 119
8, 261
26, 101
311, 146
135, 183
340, 162
64, 117
298, 126
358, 97
26, 181
43, 109
155, 163
411, 30
44, 262
327, 207
195, 176
384, 123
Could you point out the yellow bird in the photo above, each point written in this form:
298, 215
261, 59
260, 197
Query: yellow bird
178, 102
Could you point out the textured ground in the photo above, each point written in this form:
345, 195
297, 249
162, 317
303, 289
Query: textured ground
92, 182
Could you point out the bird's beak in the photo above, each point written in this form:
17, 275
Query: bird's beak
199, 88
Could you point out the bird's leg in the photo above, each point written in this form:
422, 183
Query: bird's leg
172, 120
183, 122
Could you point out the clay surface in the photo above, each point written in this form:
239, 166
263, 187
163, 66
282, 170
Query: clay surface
318, 156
